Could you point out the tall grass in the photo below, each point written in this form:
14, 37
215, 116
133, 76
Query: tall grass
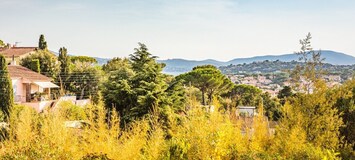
197, 134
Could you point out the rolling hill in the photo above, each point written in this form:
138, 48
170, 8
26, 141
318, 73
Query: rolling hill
182, 65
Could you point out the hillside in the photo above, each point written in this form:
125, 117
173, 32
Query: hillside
182, 65
331, 57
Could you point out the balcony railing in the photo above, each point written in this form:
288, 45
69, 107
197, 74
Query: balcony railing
34, 98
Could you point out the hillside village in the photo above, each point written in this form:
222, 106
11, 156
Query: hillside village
274, 83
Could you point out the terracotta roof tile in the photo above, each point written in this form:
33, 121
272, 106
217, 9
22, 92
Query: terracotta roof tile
16, 51
16, 71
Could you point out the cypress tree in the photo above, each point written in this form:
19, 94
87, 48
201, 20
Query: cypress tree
6, 90
64, 60
42, 43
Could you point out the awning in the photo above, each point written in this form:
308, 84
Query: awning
46, 84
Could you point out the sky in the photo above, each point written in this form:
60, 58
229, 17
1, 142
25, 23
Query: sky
189, 29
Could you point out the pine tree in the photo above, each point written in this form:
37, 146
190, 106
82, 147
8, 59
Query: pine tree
208, 79
137, 86
42, 43
148, 83
6, 90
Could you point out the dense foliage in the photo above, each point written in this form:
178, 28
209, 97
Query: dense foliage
83, 81
35, 66
345, 103
49, 64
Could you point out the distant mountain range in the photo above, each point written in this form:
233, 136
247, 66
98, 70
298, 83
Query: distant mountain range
182, 65
176, 66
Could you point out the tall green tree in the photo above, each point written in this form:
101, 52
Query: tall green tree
246, 95
65, 65
84, 81
208, 79
148, 82
272, 107
42, 43
6, 90
118, 91
137, 86
64, 60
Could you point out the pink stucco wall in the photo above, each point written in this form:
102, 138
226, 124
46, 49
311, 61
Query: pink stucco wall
19, 90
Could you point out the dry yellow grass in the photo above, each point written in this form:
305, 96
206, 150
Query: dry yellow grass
197, 135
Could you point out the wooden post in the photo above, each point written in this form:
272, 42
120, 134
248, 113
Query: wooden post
49, 94
28, 92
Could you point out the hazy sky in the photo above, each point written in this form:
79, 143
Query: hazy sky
191, 29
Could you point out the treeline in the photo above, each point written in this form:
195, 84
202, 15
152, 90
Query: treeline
143, 113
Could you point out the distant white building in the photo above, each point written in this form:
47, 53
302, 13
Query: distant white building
249, 111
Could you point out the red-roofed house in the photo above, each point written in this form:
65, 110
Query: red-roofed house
31, 88
16, 52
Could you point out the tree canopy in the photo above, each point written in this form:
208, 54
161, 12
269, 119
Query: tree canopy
208, 79
84, 80
284, 93
83, 59
116, 64
246, 95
